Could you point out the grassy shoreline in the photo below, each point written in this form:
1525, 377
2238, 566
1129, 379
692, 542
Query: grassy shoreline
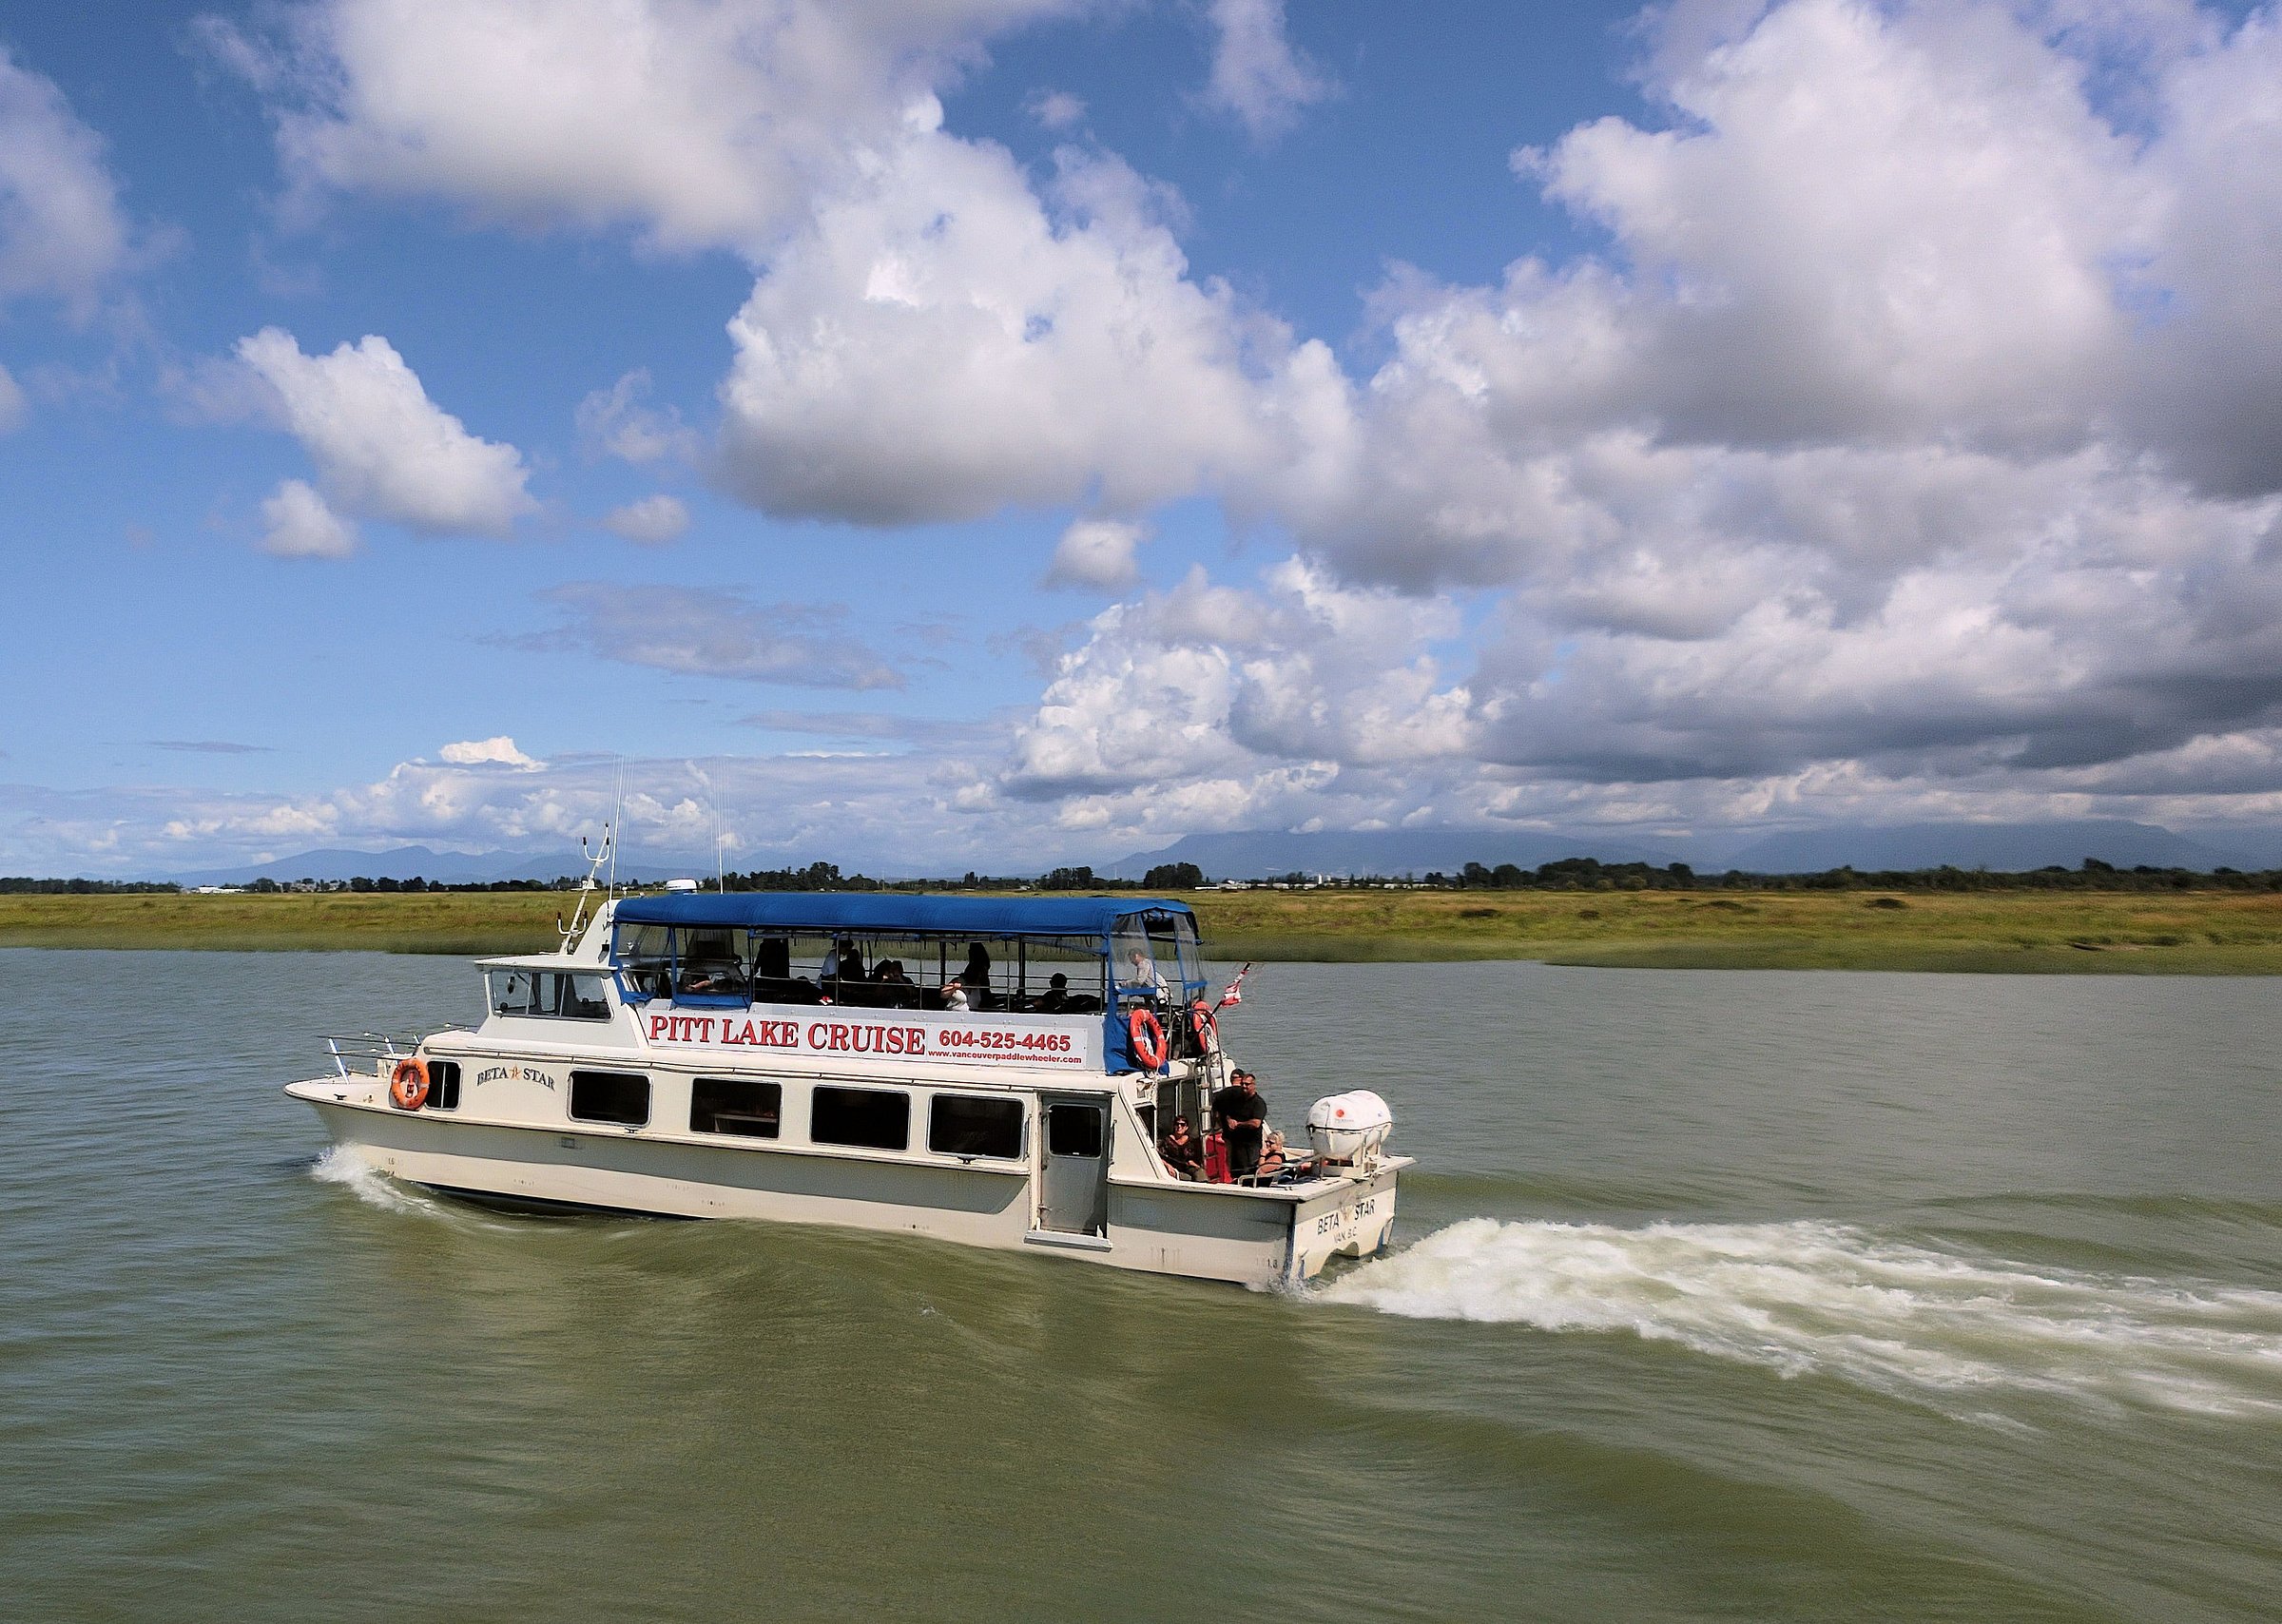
2026, 932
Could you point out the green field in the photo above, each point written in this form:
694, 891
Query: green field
2185, 933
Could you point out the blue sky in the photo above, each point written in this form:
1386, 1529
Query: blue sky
1009, 432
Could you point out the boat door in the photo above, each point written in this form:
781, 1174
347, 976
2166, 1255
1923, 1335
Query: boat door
1073, 1182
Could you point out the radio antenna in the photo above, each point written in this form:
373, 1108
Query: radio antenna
617, 817
721, 879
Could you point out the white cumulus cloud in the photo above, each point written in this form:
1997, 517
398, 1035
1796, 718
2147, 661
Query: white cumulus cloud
499, 750
298, 523
1097, 553
1257, 76
383, 449
697, 123
654, 521
942, 343
62, 231
619, 422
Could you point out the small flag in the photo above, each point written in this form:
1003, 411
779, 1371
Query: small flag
1236, 991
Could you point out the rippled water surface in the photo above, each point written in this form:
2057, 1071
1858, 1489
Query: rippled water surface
1743, 1296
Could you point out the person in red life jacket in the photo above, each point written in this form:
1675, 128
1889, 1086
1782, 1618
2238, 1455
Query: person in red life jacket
1243, 1122
1184, 1157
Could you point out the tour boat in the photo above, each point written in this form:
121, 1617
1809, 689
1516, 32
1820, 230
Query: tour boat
805, 1059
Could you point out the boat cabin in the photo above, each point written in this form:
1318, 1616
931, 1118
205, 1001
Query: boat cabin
1062, 957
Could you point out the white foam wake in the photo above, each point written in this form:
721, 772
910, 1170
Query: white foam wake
1816, 1297
341, 1165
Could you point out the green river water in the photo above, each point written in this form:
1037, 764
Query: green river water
1755, 1296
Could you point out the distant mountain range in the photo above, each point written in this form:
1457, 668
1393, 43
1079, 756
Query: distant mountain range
1262, 853
1999, 847
472, 868
407, 862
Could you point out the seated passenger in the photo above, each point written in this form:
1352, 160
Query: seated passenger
710, 978
955, 996
844, 962
1145, 979
886, 988
773, 981
1055, 1000
1276, 1164
1184, 1157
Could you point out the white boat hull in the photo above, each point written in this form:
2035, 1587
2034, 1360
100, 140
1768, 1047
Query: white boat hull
1252, 1237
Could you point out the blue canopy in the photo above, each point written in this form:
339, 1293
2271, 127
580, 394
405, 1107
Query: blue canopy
898, 912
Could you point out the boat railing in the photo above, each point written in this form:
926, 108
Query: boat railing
370, 1051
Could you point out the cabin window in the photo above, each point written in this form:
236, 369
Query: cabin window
876, 1119
1074, 1129
735, 1105
549, 994
514, 991
443, 1085
972, 1125
581, 998
621, 1097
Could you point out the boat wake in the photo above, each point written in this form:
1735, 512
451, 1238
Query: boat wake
341, 1165
1810, 1297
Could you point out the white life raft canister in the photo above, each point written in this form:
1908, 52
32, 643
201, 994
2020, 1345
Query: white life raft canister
1349, 1126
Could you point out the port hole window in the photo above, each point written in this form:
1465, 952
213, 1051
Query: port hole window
875, 1119
735, 1105
1073, 1130
621, 1097
443, 1085
970, 1125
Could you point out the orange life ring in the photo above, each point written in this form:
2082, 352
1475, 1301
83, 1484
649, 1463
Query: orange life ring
408, 1087
1149, 1038
1206, 1026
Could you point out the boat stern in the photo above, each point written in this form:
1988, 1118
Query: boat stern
1354, 1219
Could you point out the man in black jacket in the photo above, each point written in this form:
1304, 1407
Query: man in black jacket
1242, 1120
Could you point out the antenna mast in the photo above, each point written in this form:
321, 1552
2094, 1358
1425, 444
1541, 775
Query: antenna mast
617, 817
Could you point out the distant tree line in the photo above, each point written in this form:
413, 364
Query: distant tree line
363, 884
23, 885
1588, 874
1569, 874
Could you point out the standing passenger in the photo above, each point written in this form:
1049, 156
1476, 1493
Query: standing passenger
976, 978
1242, 1119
